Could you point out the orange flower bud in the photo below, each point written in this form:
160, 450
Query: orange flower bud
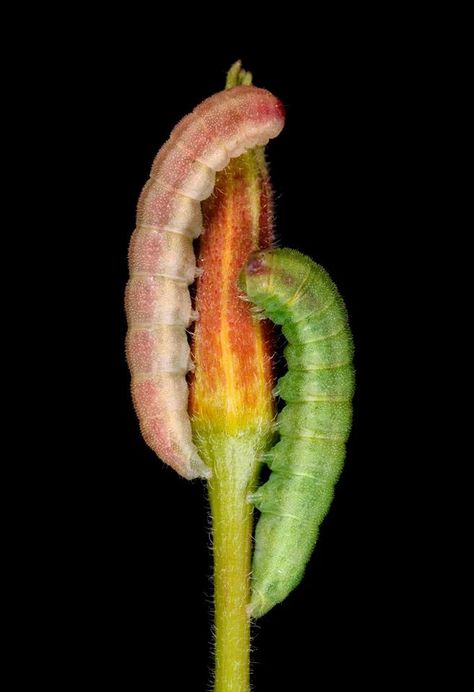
232, 384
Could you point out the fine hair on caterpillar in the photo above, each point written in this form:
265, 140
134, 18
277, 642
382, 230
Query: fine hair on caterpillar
313, 426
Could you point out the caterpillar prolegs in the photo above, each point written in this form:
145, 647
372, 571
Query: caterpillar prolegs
296, 293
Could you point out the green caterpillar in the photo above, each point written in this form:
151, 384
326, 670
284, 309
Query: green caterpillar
298, 294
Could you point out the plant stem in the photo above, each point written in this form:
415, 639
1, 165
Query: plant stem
232, 522
234, 472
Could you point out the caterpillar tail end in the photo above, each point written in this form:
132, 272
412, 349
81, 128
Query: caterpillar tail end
198, 468
259, 605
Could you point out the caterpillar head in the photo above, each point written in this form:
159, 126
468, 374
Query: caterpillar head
255, 276
274, 274
282, 277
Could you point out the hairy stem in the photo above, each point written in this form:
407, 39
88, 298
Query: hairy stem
233, 461
232, 525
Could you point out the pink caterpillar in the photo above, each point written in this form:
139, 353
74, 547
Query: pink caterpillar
162, 261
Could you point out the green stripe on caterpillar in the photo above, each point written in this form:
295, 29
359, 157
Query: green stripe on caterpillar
298, 294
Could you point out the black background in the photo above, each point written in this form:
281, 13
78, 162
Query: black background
131, 538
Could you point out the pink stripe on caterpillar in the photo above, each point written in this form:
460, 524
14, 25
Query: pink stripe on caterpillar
162, 260
156, 300
163, 208
161, 252
162, 348
177, 169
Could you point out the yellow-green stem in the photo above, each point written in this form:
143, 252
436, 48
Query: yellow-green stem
233, 460
232, 525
